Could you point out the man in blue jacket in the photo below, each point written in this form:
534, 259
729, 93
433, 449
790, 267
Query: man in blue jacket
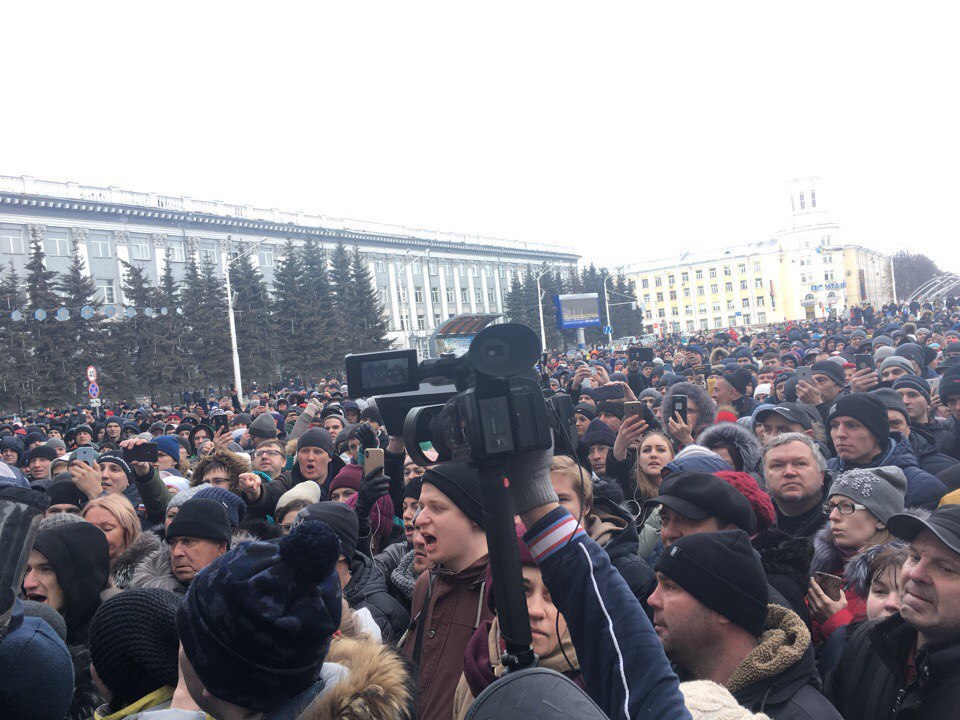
860, 432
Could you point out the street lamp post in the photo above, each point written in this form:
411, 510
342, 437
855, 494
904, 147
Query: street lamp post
606, 302
233, 325
543, 332
407, 307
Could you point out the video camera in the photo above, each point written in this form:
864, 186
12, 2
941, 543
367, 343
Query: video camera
481, 406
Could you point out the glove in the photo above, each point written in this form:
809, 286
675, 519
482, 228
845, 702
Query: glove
371, 489
313, 407
366, 436
529, 475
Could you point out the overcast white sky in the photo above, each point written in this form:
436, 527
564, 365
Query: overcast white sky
622, 129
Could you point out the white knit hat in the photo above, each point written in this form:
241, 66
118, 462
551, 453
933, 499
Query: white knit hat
708, 701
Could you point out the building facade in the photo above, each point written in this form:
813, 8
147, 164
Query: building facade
423, 276
805, 271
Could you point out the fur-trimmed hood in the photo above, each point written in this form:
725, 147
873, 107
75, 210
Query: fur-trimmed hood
826, 555
155, 570
124, 567
732, 434
376, 688
856, 574
696, 395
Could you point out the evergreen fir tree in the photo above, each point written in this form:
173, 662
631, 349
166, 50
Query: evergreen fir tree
344, 299
14, 342
192, 302
132, 345
86, 337
171, 361
368, 316
252, 314
289, 311
323, 333
215, 362
51, 379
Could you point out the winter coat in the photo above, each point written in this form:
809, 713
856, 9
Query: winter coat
149, 497
948, 438
923, 489
612, 528
270, 492
745, 406
735, 436
870, 683
779, 677
447, 608
156, 570
123, 568
368, 589
482, 664
828, 558
929, 458
388, 558
786, 561
625, 670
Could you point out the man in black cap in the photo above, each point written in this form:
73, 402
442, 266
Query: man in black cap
736, 389
898, 416
908, 665
860, 431
783, 418
38, 463
450, 522
83, 435
198, 535
829, 382
711, 612
610, 413
697, 502
65, 497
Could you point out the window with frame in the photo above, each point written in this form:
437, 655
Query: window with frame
726, 271
646, 297
434, 295
382, 292
658, 281
433, 267
758, 283
478, 296
746, 302
742, 269
491, 298
380, 265
175, 251
690, 326
699, 275
649, 314
671, 280
107, 291
57, 242
746, 319
716, 307
268, 257
421, 322
713, 272
644, 283
661, 313
743, 284
418, 295
11, 241
208, 251
688, 310
714, 289
675, 312
761, 318
139, 246
684, 277
464, 296
659, 297
475, 270
686, 292
700, 290
828, 275
703, 324
98, 244
728, 287
717, 322
730, 305
702, 308
450, 296
760, 301
673, 294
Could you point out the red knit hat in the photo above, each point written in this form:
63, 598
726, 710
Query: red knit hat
758, 499
725, 416
349, 477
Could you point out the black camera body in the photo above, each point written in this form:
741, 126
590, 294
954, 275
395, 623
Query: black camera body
493, 404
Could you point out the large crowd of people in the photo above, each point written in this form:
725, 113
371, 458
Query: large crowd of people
748, 525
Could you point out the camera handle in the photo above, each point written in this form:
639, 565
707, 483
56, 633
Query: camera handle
505, 568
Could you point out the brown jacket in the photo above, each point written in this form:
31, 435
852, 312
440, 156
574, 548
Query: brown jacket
457, 606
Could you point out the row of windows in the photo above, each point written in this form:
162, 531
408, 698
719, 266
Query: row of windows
701, 290
704, 324
702, 307
435, 296
698, 274
434, 267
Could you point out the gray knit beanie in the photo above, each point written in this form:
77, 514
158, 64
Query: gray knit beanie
880, 490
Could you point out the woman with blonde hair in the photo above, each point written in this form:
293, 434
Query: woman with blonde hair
128, 545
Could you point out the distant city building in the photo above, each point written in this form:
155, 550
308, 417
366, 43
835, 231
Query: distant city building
805, 271
424, 276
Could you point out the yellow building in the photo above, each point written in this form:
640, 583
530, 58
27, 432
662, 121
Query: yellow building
800, 273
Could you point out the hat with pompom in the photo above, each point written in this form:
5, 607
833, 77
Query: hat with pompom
256, 623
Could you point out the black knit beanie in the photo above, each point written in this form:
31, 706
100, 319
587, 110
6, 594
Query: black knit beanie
413, 487
134, 644
342, 520
65, 492
724, 573
461, 484
866, 409
832, 370
739, 379
116, 457
201, 518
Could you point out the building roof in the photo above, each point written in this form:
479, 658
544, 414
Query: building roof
48, 197
706, 256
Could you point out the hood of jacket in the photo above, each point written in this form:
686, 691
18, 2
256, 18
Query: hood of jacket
737, 436
123, 568
612, 528
696, 458
827, 557
376, 686
779, 666
365, 580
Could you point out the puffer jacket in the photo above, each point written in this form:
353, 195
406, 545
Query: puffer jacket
368, 589
923, 489
929, 458
738, 437
125, 566
779, 676
871, 682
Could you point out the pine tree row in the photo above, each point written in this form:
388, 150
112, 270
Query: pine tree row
322, 307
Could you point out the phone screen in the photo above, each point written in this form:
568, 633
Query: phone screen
680, 406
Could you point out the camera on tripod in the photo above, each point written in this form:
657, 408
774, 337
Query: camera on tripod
481, 406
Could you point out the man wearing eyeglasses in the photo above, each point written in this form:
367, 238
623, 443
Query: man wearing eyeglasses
908, 665
270, 458
860, 432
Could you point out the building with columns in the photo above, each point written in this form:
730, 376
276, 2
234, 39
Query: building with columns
805, 271
423, 276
